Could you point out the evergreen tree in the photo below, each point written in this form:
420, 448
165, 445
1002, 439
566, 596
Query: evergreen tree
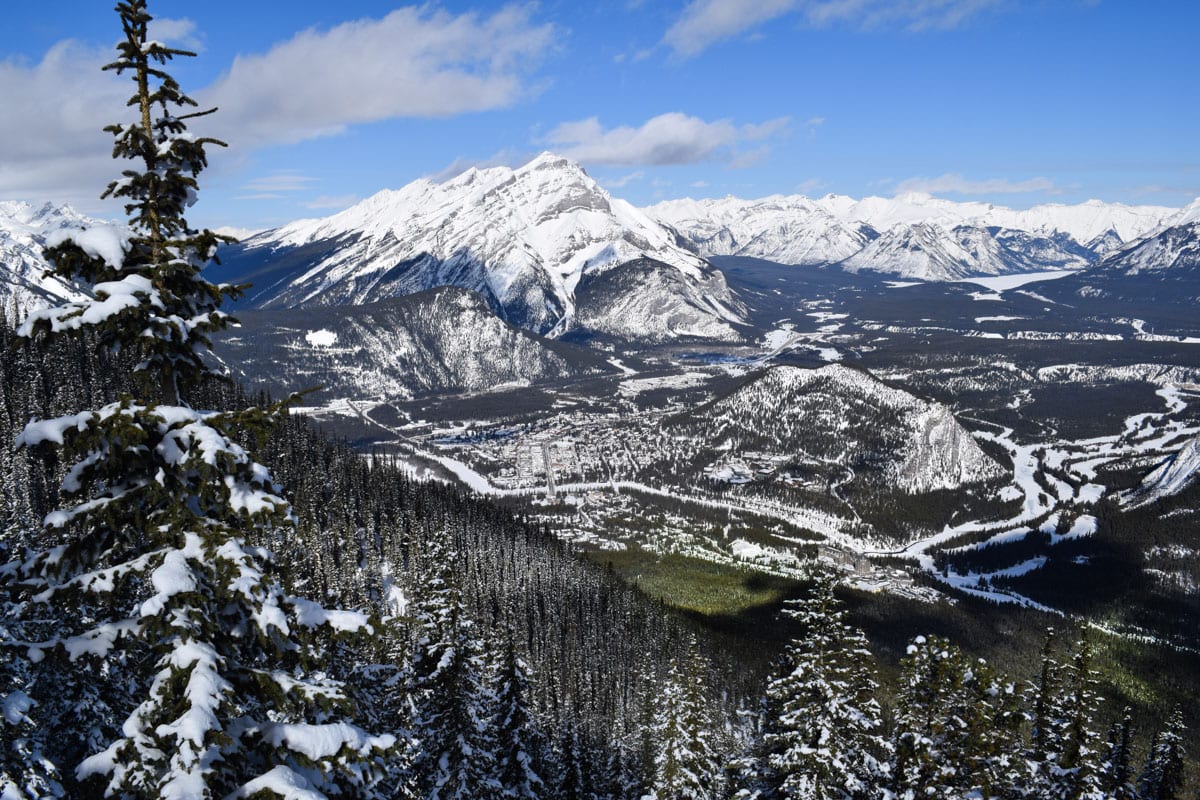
1116, 778
1163, 776
150, 565
821, 737
520, 750
685, 764
452, 705
955, 725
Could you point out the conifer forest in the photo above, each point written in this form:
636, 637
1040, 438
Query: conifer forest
206, 592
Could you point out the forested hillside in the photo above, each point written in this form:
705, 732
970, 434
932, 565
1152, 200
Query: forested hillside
609, 693
203, 597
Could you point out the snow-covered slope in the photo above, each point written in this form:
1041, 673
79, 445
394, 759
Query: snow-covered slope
1173, 247
523, 238
914, 235
443, 340
786, 229
23, 231
1160, 269
1170, 478
847, 417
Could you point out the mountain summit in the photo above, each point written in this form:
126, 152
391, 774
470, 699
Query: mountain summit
524, 238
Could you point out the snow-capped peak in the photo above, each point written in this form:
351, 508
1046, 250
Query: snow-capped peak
24, 231
523, 236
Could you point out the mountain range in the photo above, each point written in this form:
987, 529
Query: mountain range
551, 251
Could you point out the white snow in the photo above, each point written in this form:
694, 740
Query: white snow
321, 338
323, 741
282, 782
1002, 283
15, 706
108, 243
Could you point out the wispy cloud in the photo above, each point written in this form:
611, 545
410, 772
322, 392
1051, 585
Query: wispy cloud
1182, 190
414, 62
624, 180
811, 186
704, 23
671, 138
953, 183
280, 182
326, 201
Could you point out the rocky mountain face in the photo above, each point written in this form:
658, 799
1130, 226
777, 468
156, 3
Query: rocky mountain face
647, 301
1169, 478
525, 239
913, 235
843, 416
23, 231
441, 340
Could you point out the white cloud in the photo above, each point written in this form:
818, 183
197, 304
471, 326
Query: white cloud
624, 180
910, 15
415, 62
671, 138
332, 201
811, 186
179, 33
953, 183
706, 22
280, 182
52, 143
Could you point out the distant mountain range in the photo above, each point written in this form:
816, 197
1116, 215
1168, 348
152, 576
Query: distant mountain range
552, 252
912, 235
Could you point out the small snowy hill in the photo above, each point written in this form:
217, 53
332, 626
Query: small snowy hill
843, 416
442, 340
523, 238
912, 235
23, 231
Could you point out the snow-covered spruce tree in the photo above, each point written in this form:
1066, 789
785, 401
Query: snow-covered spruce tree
686, 766
956, 724
520, 749
1063, 758
821, 736
447, 685
151, 578
1116, 774
1077, 764
1163, 776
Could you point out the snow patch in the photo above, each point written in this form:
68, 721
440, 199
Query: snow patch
321, 338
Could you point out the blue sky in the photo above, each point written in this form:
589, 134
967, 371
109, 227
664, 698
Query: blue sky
1010, 101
